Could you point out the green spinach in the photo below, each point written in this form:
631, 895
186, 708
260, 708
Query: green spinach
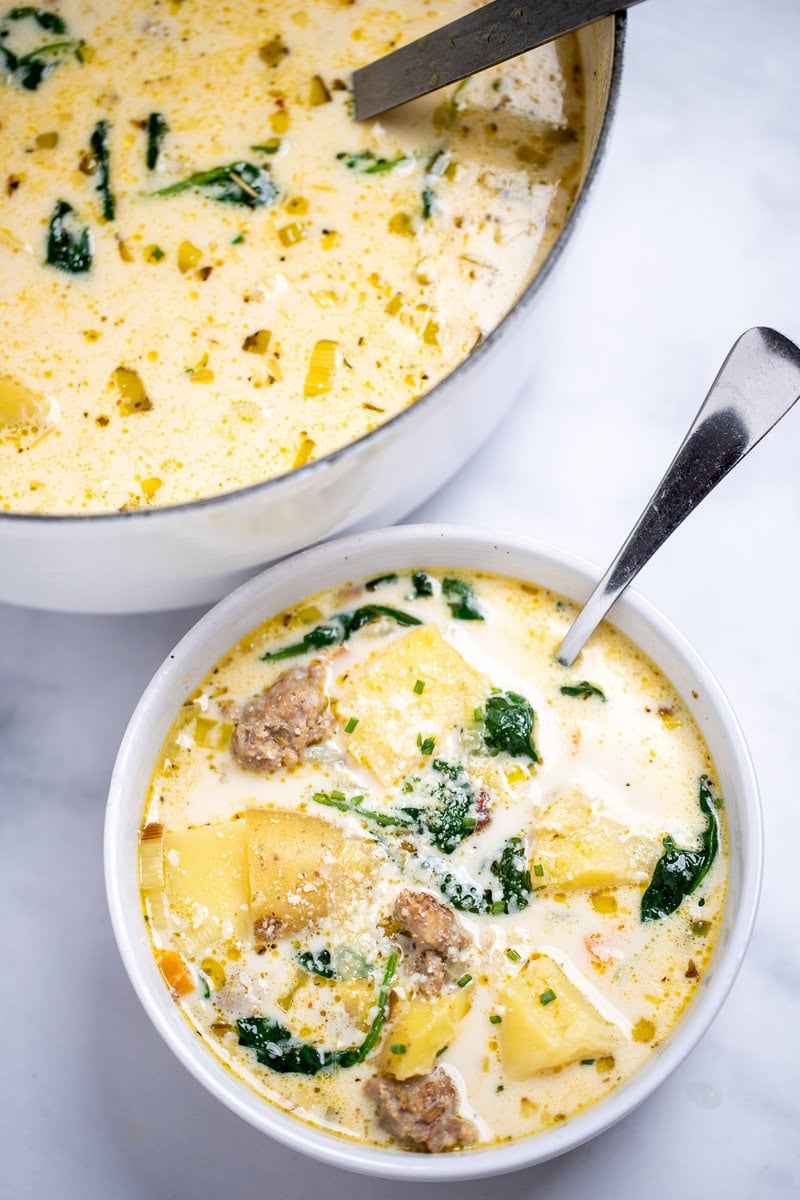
157, 129
372, 584
317, 964
340, 628
235, 183
514, 875
461, 600
584, 689
367, 163
422, 583
508, 725
679, 872
276, 1047
510, 870
31, 69
69, 243
453, 815
99, 145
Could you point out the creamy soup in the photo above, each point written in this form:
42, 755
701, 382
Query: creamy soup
415, 883
210, 274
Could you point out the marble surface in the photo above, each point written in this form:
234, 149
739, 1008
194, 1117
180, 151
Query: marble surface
691, 237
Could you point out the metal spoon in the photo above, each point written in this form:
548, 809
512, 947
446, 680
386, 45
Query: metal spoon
490, 35
757, 385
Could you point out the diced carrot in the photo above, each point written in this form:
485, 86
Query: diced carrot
176, 973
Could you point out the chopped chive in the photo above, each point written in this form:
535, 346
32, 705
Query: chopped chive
538, 870
469, 822
237, 241
156, 254
464, 980
419, 687
514, 955
501, 1087
427, 746
587, 1062
478, 714
547, 997
337, 795
441, 1050
495, 1018
498, 906
350, 726
398, 1048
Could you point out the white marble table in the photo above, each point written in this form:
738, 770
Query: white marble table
692, 236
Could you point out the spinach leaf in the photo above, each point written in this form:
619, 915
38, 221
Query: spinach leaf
353, 805
339, 628
584, 689
156, 128
511, 871
372, 584
99, 145
422, 584
69, 244
452, 816
514, 875
276, 1046
508, 725
234, 183
31, 69
317, 964
461, 599
366, 163
679, 872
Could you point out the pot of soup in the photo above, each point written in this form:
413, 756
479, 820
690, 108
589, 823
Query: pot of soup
235, 322
403, 891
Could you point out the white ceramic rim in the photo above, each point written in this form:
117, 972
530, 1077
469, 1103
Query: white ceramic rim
449, 546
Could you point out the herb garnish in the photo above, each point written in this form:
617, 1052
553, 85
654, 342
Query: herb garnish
156, 128
584, 689
339, 628
679, 872
31, 69
336, 799
99, 144
69, 243
547, 997
511, 870
234, 183
461, 600
367, 163
508, 725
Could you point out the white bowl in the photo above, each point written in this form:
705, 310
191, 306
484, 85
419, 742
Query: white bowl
371, 554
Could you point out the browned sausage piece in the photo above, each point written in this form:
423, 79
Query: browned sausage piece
432, 924
274, 729
421, 1111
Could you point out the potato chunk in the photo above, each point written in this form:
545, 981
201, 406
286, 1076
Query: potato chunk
576, 848
206, 874
537, 1032
287, 856
423, 1027
379, 691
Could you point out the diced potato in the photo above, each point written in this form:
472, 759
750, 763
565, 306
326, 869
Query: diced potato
538, 1033
206, 875
423, 1028
350, 877
575, 848
291, 857
379, 691
358, 999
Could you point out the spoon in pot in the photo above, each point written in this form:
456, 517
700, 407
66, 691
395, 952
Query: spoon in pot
489, 35
757, 385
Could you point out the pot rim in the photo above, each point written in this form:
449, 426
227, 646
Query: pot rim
364, 444
428, 545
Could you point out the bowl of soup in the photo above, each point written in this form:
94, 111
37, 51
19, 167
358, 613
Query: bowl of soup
401, 890
234, 321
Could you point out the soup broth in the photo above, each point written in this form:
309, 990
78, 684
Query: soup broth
417, 884
210, 275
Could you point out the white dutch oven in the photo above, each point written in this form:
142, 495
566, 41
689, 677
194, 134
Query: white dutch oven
431, 546
190, 553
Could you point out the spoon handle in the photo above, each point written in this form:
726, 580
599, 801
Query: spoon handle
757, 385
